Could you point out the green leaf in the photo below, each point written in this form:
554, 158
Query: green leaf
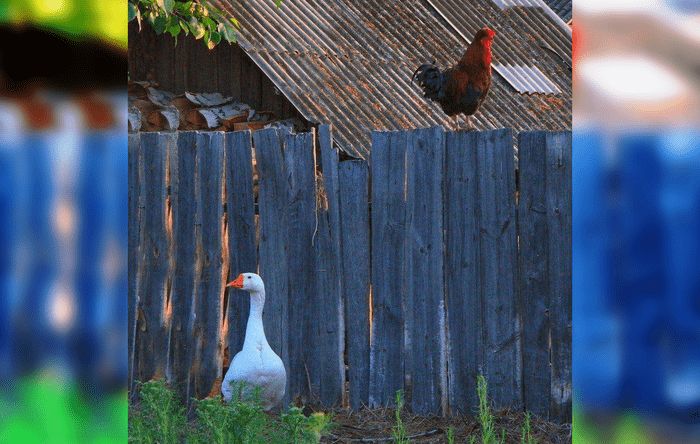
278, 3
197, 29
184, 26
227, 32
209, 23
215, 37
132, 11
167, 5
159, 24
174, 28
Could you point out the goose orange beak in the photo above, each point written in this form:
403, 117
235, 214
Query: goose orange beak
237, 283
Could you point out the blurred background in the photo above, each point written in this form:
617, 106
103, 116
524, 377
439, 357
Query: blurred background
636, 221
63, 236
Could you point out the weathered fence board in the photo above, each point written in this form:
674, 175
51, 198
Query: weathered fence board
272, 247
388, 264
462, 272
327, 250
303, 297
242, 251
152, 292
533, 277
410, 273
544, 225
183, 200
133, 248
424, 269
558, 170
209, 287
354, 194
498, 246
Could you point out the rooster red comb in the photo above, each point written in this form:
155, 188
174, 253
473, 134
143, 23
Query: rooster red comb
484, 32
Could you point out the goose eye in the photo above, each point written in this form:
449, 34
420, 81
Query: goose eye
248, 277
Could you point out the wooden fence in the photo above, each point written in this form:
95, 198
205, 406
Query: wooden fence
420, 270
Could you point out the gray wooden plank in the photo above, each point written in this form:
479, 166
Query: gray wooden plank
331, 330
558, 170
303, 297
462, 271
152, 325
133, 246
388, 257
353, 181
242, 250
502, 367
272, 248
424, 270
209, 290
184, 213
533, 279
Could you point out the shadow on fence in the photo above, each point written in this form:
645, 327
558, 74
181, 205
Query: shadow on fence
454, 271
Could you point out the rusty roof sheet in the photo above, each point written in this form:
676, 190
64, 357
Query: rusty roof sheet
562, 8
349, 63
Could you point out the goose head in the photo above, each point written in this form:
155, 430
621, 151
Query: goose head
249, 282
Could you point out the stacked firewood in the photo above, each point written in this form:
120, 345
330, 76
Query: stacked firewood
152, 109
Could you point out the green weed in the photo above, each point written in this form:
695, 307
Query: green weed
526, 437
238, 422
451, 435
488, 430
293, 427
159, 418
398, 432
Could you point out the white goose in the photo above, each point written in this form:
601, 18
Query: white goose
256, 365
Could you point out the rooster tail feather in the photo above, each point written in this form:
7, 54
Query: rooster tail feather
430, 79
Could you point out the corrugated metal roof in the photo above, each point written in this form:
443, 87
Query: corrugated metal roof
562, 8
349, 63
503, 4
527, 79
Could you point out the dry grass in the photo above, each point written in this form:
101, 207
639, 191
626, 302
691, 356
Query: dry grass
375, 426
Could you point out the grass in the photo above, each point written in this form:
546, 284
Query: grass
451, 435
160, 418
486, 418
526, 437
488, 429
399, 431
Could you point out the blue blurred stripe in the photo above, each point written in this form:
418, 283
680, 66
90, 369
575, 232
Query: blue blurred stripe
636, 246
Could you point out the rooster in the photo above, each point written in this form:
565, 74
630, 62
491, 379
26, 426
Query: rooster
462, 88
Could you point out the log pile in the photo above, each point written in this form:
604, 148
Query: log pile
152, 109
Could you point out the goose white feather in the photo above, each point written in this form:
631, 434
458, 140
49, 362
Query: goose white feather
256, 365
